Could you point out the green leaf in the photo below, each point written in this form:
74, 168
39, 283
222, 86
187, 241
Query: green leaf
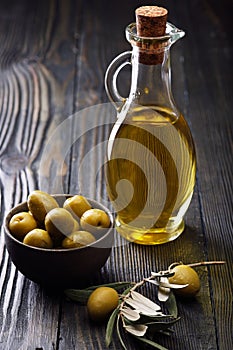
149, 319
126, 291
82, 295
78, 295
136, 329
141, 307
167, 332
161, 326
130, 314
166, 284
119, 333
151, 343
145, 301
171, 305
163, 274
163, 294
110, 326
115, 285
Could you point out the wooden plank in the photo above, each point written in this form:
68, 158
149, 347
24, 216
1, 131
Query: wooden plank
208, 76
37, 66
40, 73
134, 261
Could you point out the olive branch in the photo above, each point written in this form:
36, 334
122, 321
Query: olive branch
136, 314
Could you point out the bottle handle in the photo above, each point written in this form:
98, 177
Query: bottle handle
111, 78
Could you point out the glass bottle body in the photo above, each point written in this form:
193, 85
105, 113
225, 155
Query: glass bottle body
151, 167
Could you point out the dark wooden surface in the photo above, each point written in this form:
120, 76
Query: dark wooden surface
53, 56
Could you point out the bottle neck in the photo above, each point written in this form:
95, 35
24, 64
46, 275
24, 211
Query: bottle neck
151, 83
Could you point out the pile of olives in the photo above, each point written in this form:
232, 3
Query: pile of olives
47, 225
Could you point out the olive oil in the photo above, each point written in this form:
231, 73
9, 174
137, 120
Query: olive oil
150, 173
150, 169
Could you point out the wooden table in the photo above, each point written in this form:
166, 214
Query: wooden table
53, 57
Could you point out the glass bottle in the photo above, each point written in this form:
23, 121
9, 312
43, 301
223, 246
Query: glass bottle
151, 167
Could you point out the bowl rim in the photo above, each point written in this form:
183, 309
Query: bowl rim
59, 250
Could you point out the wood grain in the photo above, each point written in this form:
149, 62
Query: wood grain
34, 100
210, 107
53, 57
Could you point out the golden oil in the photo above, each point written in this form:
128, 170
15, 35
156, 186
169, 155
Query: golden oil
150, 174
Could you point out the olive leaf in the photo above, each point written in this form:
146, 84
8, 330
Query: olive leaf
82, 295
151, 343
126, 291
171, 305
115, 285
161, 326
167, 331
142, 308
138, 329
130, 314
166, 285
119, 333
162, 274
163, 292
78, 295
110, 326
138, 315
145, 301
173, 285
148, 319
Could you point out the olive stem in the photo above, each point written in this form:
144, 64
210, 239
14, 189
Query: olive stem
140, 283
207, 263
136, 285
202, 263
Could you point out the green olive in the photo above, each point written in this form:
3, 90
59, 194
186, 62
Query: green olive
39, 204
22, 223
38, 238
185, 274
102, 301
77, 205
78, 239
76, 226
59, 223
94, 219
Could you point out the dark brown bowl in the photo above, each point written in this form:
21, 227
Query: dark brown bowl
59, 267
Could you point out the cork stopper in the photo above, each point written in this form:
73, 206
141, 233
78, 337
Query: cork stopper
151, 22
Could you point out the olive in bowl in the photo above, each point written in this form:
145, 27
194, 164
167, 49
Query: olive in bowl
57, 266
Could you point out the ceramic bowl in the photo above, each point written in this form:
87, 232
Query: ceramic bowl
59, 267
